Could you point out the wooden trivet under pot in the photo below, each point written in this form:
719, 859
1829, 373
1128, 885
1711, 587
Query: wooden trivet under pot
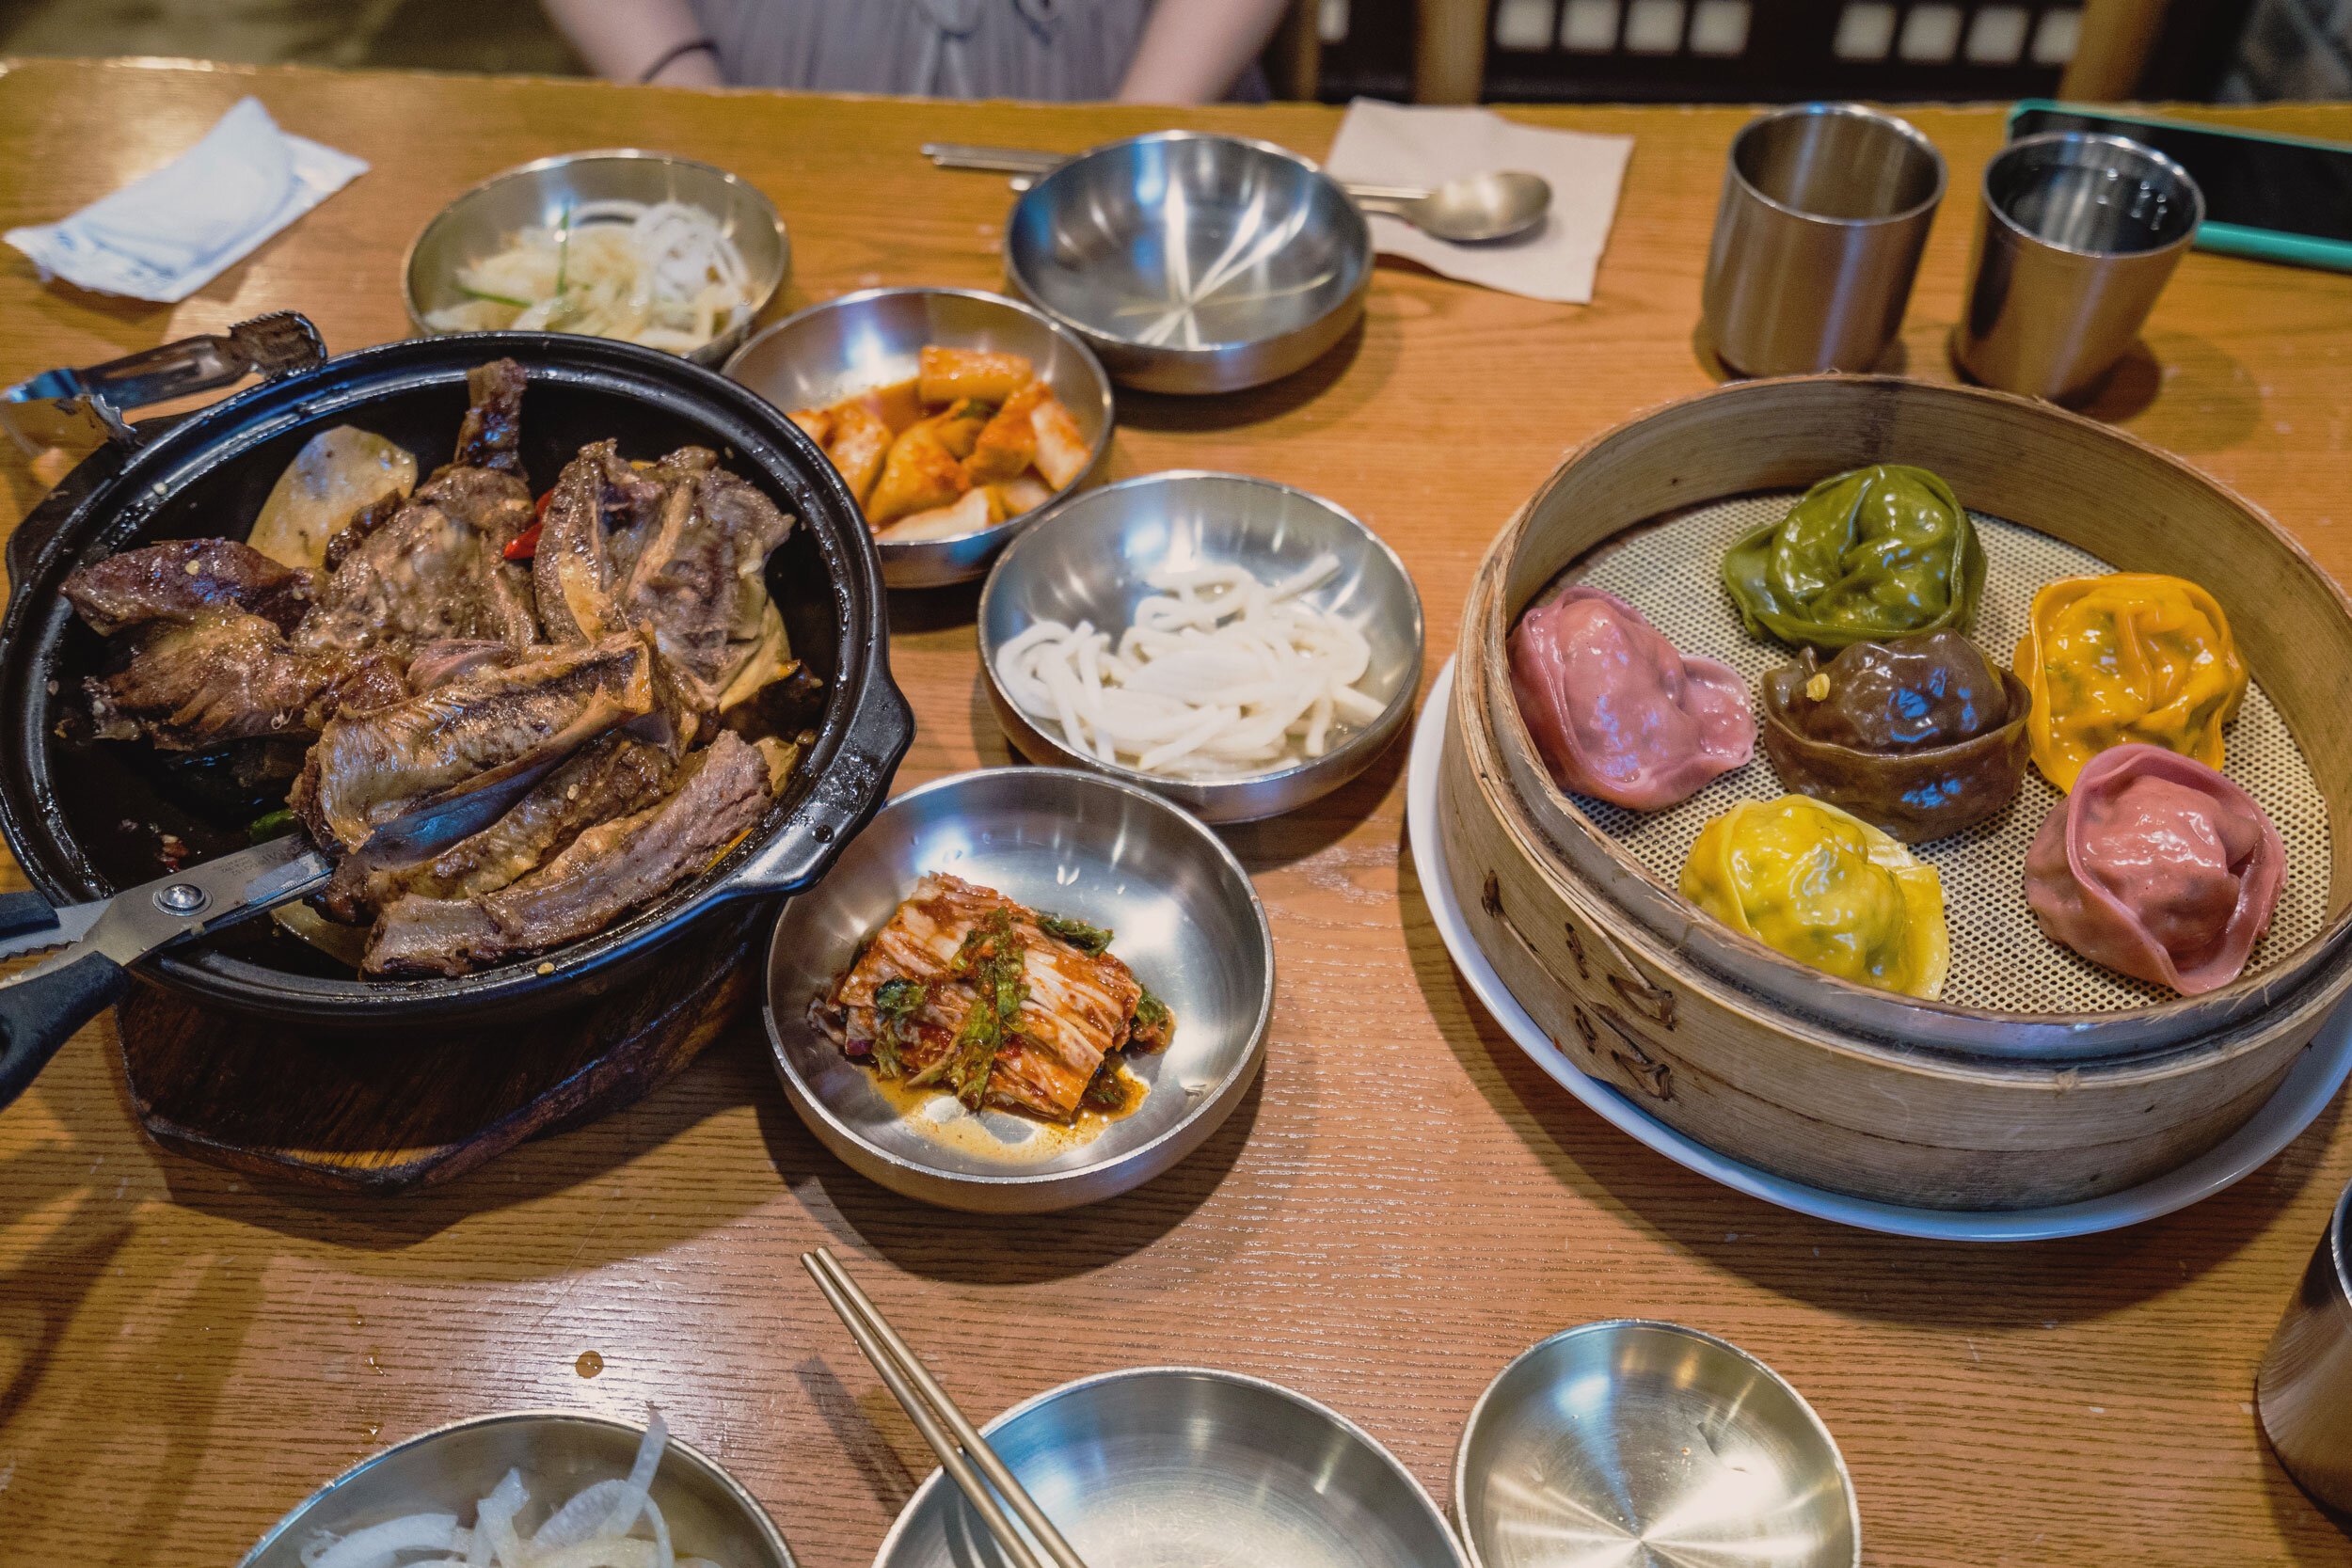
387, 1114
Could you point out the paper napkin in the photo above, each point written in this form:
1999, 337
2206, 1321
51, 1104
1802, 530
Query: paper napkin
1392, 144
167, 234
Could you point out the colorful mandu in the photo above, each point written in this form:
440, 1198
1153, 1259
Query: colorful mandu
1872, 553
1920, 736
1826, 889
2134, 656
2158, 867
1617, 710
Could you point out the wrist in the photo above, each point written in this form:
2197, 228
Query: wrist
691, 61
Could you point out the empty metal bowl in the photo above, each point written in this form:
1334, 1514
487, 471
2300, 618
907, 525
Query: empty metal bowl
451, 1468
1193, 263
1089, 562
1186, 920
1187, 1468
862, 341
485, 219
1628, 1442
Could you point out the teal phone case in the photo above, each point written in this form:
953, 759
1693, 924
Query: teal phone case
2229, 239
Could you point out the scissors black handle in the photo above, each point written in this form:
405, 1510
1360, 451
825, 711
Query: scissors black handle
41, 1012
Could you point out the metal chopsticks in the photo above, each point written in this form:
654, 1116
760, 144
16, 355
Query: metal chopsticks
954, 1439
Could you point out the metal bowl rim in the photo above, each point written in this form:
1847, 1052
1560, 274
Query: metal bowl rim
938, 1477
1360, 253
762, 1524
2338, 1240
1243, 1064
558, 160
1478, 1416
1368, 740
1058, 329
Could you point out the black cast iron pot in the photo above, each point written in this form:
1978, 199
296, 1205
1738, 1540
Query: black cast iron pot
84, 817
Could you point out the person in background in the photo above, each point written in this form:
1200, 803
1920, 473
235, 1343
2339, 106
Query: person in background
1140, 51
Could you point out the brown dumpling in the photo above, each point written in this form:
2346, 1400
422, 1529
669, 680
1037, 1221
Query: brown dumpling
1918, 736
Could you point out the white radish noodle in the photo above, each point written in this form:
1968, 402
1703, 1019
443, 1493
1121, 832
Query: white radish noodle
1221, 674
594, 1529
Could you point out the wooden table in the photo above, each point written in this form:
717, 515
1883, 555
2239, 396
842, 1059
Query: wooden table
1404, 1202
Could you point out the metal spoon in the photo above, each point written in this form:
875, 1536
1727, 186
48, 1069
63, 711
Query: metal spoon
1481, 208
1491, 206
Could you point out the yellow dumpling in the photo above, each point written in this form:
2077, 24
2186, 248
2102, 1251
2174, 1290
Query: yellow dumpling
1826, 888
2129, 656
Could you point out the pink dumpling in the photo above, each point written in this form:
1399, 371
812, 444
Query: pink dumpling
1617, 711
2158, 867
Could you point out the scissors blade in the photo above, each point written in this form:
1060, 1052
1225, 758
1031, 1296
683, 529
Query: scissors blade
73, 923
137, 921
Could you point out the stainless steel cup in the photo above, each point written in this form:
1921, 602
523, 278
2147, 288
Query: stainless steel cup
1825, 209
2304, 1389
2079, 234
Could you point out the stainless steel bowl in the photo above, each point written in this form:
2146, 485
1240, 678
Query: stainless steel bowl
1088, 561
825, 353
483, 219
1187, 922
452, 1467
1193, 263
1179, 1466
1625, 1442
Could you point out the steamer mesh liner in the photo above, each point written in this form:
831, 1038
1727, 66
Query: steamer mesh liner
1671, 571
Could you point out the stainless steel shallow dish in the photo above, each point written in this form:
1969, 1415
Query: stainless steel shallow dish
1632, 1442
452, 1467
1088, 561
485, 218
1192, 263
1188, 923
1181, 1467
829, 351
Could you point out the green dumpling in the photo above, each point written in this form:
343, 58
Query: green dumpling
1877, 552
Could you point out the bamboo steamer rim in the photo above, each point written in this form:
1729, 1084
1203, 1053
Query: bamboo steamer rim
1873, 406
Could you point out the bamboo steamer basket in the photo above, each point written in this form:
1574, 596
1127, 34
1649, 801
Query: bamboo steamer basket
1840, 1085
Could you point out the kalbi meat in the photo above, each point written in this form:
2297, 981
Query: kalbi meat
676, 550
696, 588
423, 668
491, 437
472, 734
420, 937
363, 522
571, 568
232, 676
435, 570
626, 531
453, 658
491, 503
789, 702
608, 870
185, 579
605, 779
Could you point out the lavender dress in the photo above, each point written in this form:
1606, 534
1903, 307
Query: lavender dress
1037, 49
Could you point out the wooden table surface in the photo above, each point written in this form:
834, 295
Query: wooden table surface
1402, 1204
